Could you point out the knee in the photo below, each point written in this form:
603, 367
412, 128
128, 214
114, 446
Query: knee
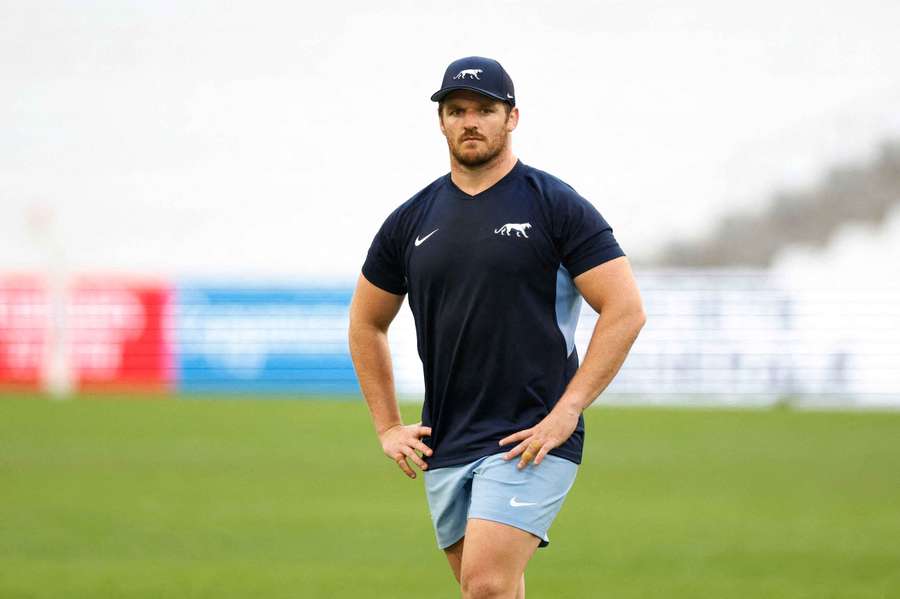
485, 585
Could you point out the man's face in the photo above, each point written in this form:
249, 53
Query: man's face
477, 128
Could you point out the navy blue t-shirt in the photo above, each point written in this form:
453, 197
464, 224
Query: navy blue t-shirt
489, 279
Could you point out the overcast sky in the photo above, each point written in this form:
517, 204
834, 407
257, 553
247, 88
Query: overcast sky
270, 140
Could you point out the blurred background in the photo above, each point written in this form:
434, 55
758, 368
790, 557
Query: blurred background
188, 191
187, 194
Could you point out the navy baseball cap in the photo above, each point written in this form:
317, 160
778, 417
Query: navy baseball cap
483, 75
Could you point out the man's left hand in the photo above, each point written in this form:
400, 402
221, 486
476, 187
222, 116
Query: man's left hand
549, 433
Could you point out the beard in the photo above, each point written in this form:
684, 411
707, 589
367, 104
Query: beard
488, 149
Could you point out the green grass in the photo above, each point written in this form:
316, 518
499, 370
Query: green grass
241, 498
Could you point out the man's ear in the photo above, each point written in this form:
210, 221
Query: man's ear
513, 120
441, 121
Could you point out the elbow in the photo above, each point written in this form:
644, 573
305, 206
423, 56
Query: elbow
363, 325
629, 318
640, 317
628, 315
636, 318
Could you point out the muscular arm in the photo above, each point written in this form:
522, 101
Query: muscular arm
371, 313
611, 290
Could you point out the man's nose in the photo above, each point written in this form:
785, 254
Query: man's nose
470, 120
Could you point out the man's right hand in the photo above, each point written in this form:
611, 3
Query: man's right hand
402, 441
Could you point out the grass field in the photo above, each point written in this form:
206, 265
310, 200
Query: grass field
276, 498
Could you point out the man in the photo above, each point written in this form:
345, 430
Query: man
495, 257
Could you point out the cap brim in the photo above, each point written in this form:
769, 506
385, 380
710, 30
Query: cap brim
441, 93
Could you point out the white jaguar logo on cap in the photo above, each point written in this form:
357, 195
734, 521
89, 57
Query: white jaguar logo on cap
469, 74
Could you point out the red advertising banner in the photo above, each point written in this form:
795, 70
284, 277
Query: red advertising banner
118, 336
23, 330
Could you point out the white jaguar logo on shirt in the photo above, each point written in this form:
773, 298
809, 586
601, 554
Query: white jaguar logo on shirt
519, 228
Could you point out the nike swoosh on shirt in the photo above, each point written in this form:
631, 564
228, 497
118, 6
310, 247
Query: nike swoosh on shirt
421, 241
515, 503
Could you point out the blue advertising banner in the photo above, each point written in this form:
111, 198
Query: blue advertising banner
262, 339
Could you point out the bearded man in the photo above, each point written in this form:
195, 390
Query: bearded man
495, 257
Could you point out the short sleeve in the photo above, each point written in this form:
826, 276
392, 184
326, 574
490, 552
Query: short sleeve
584, 238
384, 266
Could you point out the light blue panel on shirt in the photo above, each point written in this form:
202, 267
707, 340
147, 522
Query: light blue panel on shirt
568, 307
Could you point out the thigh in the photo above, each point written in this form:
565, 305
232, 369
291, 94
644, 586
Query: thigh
454, 555
496, 555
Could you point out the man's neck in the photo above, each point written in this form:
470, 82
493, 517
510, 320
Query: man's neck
474, 181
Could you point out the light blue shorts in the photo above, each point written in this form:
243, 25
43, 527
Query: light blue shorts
492, 488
